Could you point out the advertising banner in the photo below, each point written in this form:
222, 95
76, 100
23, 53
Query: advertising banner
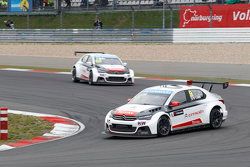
20, 5
215, 16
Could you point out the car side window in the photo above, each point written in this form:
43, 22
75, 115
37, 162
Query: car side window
196, 94
180, 97
84, 59
89, 59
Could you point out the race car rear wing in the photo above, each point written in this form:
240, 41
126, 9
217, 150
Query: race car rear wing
77, 52
224, 84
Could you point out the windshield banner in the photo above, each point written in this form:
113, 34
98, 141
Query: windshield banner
212, 16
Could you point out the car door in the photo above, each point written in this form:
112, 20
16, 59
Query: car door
189, 112
81, 67
196, 108
177, 113
87, 67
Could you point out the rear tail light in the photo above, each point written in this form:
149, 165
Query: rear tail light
222, 101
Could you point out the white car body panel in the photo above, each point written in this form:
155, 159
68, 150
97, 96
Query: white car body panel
196, 113
120, 74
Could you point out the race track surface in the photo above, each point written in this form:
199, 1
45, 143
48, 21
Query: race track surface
56, 94
213, 70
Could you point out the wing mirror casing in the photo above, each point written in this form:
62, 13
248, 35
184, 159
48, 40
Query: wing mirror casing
89, 63
174, 104
125, 64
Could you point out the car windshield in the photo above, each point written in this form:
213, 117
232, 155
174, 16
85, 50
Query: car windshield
151, 97
107, 60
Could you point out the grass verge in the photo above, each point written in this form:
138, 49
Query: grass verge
36, 68
139, 75
26, 127
111, 19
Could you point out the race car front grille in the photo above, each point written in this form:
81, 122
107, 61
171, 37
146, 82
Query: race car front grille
116, 72
124, 118
116, 79
122, 128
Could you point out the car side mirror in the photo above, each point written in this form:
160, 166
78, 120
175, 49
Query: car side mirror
125, 64
89, 63
174, 104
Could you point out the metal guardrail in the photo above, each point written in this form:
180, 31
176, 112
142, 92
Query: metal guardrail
194, 35
211, 35
89, 35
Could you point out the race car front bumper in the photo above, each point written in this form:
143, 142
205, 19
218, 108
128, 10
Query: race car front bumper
141, 132
113, 78
121, 79
136, 128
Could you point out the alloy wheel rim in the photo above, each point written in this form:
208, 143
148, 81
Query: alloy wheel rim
73, 74
164, 130
217, 120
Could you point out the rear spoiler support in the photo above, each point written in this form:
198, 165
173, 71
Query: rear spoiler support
224, 84
77, 52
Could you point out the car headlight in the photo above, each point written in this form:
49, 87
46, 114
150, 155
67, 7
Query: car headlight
111, 114
127, 71
145, 117
101, 70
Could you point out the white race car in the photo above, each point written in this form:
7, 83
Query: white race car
102, 68
159, 110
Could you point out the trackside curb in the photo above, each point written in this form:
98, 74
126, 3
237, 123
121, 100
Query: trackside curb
63, 127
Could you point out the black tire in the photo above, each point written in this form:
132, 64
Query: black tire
130, 84
216, 118
74, 78
163, 126
91, 78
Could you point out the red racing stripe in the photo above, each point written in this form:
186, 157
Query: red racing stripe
125, 113
189, 123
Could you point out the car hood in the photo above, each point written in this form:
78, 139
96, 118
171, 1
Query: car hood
114, 68
134, 109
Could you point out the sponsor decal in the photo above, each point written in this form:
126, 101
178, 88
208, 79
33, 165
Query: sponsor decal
141, 123
191, 15
237, 15
194, 113
20, 5
176, 113
156, 91
189, 123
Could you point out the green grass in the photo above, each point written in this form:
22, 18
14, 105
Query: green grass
122, 19
26, 127
231, 80
36, 68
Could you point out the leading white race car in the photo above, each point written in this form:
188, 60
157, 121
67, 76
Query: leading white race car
156, 111
102, 68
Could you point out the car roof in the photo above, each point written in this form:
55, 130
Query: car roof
102, 55
171, 88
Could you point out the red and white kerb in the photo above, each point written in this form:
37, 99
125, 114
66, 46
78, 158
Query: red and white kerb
3, 123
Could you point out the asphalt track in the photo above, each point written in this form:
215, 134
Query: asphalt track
214, 70
56, 94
